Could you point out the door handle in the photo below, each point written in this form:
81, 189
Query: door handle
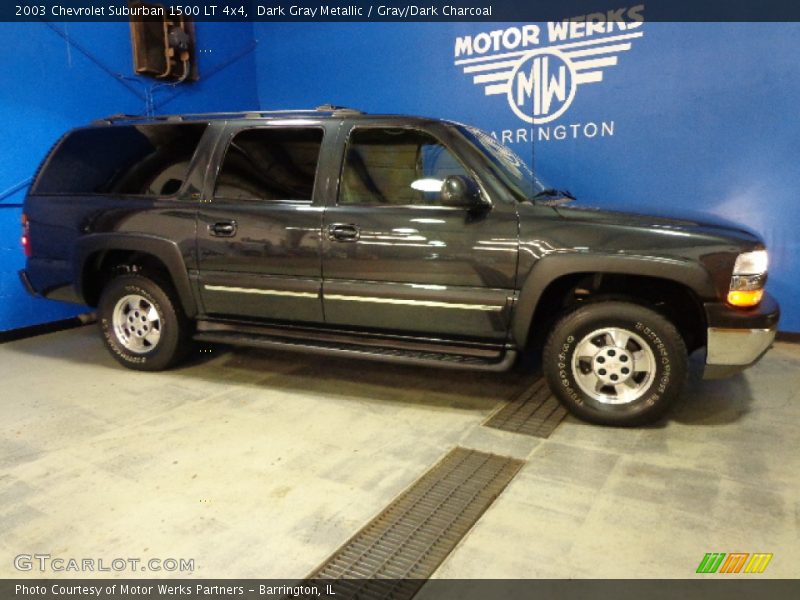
223, 229
340, 232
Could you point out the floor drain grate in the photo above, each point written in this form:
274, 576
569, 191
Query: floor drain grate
534, 412
393, 555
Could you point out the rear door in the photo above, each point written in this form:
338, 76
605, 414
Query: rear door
396, 259
258, 228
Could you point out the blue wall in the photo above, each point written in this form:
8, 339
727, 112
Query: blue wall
53, 78
705, 116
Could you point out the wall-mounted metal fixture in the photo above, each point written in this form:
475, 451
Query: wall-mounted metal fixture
163, 45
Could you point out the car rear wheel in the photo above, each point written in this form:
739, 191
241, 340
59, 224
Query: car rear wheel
142, 325
615, 363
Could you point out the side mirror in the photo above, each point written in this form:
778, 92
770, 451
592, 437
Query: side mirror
462, 192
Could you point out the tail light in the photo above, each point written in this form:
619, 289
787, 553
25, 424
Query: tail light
26, 235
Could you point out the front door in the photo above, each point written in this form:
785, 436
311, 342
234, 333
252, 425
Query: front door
396, 259
258, 232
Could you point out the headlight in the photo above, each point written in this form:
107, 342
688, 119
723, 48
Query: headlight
751, 263
749, 277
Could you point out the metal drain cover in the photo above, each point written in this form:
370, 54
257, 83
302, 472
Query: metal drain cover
393, 555
534, 412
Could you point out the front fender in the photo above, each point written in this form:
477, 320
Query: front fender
551, 267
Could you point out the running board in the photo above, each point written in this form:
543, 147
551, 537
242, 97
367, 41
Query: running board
403, 351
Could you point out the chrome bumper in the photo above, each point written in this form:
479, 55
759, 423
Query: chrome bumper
729, 351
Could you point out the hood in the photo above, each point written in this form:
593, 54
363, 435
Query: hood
700, 224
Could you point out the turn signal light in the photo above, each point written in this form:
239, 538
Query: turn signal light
745, 298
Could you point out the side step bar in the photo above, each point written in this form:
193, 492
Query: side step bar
401, 350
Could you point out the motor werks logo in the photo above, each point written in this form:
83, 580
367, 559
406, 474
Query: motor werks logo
539, 69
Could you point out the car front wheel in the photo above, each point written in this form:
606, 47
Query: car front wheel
615, 363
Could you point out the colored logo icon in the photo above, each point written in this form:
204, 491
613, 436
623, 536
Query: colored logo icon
735, 562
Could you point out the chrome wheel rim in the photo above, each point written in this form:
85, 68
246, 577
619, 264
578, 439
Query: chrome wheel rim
137, 324
613, 366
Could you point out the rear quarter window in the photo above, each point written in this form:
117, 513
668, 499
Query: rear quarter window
139, 160
270, 164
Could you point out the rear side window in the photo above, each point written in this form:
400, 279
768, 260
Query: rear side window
140, 160
270, 164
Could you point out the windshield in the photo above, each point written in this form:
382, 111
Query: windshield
510, 167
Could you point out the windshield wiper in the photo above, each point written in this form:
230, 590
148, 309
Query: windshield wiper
554, 196
553, 193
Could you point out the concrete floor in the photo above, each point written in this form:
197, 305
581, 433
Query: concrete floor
261, 464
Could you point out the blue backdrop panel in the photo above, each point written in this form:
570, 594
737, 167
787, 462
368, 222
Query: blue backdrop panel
62, 75
675, 118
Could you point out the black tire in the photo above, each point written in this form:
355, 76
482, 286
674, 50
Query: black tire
160, 353
651, 390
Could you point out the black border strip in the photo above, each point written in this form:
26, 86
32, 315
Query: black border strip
494, 11
733, 587
792, 337
42, 328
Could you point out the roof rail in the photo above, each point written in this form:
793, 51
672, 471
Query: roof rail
250, 114
338, 109
125, 117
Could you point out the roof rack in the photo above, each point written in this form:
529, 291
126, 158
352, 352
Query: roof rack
333, 108
324, 108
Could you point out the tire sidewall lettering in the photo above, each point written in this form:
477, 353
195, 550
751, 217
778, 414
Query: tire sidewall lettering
564, 375
664, 368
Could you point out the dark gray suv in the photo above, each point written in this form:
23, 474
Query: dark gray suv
387, 237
